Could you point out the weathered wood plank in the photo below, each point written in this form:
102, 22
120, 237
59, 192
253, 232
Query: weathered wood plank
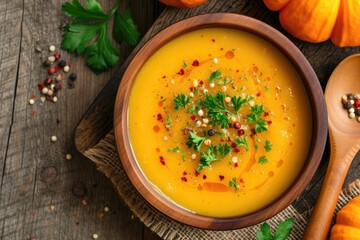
25, 131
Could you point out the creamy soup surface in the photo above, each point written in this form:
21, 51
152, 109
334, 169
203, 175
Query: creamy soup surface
219, 122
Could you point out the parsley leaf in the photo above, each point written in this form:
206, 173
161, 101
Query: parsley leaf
181, 101
207, 158
168, 121
215, 75
88, 33
283, 231
233, 183
124, 28
263, 160
268, 146
185, 63
224, 149
242, 142
216, 109
261, 125
174, 150
227, 80
238, 102
195, 141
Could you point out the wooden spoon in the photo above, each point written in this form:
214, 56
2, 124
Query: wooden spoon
344, 144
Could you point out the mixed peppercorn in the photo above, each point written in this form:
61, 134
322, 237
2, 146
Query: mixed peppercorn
351, 102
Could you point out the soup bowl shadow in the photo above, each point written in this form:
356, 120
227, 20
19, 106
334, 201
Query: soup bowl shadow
310, 82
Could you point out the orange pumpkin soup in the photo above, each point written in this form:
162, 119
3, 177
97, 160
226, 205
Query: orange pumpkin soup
219, 122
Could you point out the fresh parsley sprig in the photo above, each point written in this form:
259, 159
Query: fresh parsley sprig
233, 183
181, 101
207, 158
215, 75
88, 33
242, 141
195, 141
283, 231
216, 109
254, 117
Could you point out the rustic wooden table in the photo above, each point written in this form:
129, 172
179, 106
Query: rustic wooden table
37, 195
36, 180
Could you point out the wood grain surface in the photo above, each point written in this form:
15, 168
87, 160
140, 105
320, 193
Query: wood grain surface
26, 192
34, 174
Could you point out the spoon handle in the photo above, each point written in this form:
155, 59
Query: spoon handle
321, 217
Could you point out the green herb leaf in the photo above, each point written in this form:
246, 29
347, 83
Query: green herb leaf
264, 233
215, 75
268, 146
227, 80
233, 183
238, 102
257, 109
284, 229
185, 63
261, 125
181, 101
194, 141
224, 149
174, 150
124, 28
88, 33
168, 121
207, 158
216, 109
263, 160
242, 141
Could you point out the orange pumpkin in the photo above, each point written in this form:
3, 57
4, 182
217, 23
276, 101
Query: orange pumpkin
319, 20
183, 3
347, 225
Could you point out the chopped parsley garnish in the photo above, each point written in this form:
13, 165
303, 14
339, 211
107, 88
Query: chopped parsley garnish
254, 117
227, 80
266, 88
174, 150
238, 101
185, 63
223, 149
262, 160
268, 146
233, 183
207, 158
215, 75
168, 121
181, 101
195, 141
282, 233
242, 141
216, 109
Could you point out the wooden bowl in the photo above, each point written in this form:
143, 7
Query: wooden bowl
310, 82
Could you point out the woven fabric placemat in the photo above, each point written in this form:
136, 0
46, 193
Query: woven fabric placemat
105, 156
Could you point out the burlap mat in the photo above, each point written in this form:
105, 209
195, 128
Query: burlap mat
104, 154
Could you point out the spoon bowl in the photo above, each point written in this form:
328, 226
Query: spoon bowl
344, 135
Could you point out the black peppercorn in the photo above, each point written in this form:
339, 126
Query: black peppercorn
73, 76
211, 132
357, 111
46, 63
62, 63
347, 105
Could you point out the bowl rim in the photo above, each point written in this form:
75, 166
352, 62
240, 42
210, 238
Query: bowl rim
309, 80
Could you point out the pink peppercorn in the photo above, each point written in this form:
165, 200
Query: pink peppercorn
48, 81
237, 125
57, 56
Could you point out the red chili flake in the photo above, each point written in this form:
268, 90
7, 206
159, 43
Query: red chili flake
33, 96
204, 176
233, 145
181, 72
241, 132
193, 117
222, 140
184, 179
229, 139
201, 82
266, 114
186, 131
159, 117
70, 64
269, 122
33, 113
357, 103
258, 94
40, 86
241, 180
253, 131
213, 40
196, 173
221, 177
191, 89
57, 56
236, 165
48, 81
236, 150
195, 63
162, 160
237, 70
163, 76
184, 173
60, 86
